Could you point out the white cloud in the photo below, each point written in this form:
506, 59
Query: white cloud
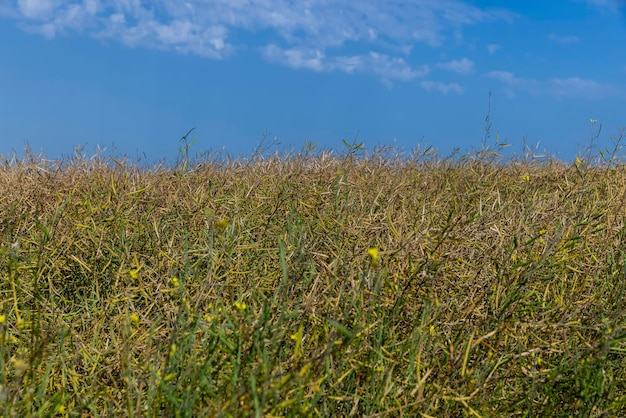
387, 67
393, 68
572, 87
299, 58
493, 48
441, 87
611, 5
117, 18
578, 87
310, 34
507, 78
563, 39
464, 66
36, 9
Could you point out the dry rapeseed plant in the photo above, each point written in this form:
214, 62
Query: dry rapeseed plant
501, 291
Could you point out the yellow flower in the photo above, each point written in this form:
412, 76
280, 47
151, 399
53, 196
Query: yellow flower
241, 306
526, 178
61, 409
134, 273
2, 318
305, 369
172, 350
135, 318
373, 253
297, 337
175, 282
578, 161
221, 224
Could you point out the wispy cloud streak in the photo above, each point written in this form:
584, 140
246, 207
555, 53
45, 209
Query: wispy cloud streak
312, 34
564, 40
463, 66
442, 87
570, 87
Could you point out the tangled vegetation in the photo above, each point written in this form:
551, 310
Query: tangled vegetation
313, 285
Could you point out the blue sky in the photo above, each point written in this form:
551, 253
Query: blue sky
133, 76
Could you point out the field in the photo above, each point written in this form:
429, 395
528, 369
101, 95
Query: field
313, 284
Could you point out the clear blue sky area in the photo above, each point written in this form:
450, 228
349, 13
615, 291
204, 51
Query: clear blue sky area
133, 76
